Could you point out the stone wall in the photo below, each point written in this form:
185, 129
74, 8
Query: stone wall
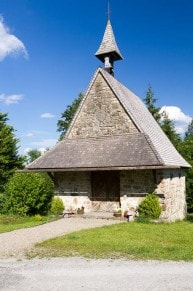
134, 185
74, 188
101, 114
171, 182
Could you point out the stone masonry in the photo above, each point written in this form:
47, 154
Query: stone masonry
172, 184
75, 190
168, 184
101, 114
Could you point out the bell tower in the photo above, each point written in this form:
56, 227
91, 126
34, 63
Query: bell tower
108, 51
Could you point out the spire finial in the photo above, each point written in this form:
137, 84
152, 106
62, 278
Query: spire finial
109, 10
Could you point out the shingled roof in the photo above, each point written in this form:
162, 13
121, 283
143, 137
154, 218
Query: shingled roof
108, 45
149, 148
146, 123
109, 152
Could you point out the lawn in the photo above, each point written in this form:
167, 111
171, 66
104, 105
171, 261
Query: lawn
135, 241
9, 223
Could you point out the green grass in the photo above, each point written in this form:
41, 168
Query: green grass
127, 240
9, 223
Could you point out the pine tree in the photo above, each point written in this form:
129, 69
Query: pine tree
168, 127
67, 116
32, 155
150, 101
186, 150
10, 160
163, 120
189, 132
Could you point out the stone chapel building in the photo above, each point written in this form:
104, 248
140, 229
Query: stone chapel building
114, 152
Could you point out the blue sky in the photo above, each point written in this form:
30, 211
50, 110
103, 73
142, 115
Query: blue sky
47, 57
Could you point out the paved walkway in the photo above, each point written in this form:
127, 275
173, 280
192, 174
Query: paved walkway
17, 242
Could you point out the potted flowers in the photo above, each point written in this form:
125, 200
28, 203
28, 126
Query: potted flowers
80, 210
118, 212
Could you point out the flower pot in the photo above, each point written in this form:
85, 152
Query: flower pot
117, 214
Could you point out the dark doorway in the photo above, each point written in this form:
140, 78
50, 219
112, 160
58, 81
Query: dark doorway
105, 190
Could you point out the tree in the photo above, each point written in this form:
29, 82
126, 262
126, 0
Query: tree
150, 104
32, 155
186, 150
168, 127
67, 116
10, 160
162, 118
189, 132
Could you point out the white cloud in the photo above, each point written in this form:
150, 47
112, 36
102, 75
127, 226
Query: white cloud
175, 113
9, 43
29, 134
11, 99
26, 151
47, 115
42, 150
46, 143
180, 118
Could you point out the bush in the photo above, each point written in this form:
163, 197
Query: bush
28, 194
189, 217
150, 207
57, 206
38, 217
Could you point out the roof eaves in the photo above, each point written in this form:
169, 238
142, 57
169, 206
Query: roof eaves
89, 169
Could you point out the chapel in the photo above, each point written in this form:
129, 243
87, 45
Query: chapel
114, 151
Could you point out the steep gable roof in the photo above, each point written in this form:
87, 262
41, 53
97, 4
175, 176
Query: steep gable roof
148, 148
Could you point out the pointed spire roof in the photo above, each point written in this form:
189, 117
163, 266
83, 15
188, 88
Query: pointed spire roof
108, 46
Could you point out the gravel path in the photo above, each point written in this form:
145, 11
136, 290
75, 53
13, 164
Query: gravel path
17, 242
71, 274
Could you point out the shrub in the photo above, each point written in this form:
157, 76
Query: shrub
150, 207
38, 217
57, 206
28, 194
189, 217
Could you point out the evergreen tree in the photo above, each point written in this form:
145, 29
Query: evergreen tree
189, 132
168, 127
186, 150
163, 120
10, 160
32, 155
67, 116
150, 104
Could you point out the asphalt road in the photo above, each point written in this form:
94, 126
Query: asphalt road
81, 274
